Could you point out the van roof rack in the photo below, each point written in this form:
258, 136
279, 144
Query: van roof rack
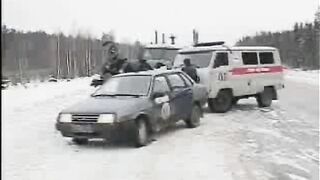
217, 43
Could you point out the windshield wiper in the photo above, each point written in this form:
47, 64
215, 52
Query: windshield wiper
135, 95
96, 95
112, 95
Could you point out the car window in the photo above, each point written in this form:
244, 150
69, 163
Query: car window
160, 85
221, 60
186, 79
249, 58
266, 58
176, 81
199, 59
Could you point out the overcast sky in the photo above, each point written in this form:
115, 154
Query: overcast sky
132, 20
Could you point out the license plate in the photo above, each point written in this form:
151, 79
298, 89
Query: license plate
82, 128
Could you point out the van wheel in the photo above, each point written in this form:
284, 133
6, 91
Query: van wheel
80, 141
222, 103
264, 98
141, 133
194, 120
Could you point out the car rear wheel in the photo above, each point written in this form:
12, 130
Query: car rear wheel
235, 101
222, 103
80, 141
264, 98
141, 133
194, 120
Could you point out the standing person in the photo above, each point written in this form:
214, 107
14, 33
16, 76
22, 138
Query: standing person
190, 70
143, 65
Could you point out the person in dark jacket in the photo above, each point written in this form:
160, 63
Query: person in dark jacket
159, 65
129, 67
143, 65
190, 70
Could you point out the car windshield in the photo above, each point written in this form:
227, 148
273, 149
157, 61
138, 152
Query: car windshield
156, 54
125, 85
199, 59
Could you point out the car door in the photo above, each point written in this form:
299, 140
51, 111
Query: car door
199, 91
219, 70
163, 107
181, 96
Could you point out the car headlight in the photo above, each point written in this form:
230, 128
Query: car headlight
106, 118
65, 118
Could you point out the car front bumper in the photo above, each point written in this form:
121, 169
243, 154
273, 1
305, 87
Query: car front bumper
95, 130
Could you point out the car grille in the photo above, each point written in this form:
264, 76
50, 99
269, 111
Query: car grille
89, 118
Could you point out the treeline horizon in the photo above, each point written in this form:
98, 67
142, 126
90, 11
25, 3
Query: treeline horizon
299, 47
37, 55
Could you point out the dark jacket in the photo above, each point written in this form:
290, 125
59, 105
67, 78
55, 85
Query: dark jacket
144, 66
192, 72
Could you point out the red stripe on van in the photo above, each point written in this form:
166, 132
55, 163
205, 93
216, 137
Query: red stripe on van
257, 70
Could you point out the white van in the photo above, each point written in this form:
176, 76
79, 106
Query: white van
234, 73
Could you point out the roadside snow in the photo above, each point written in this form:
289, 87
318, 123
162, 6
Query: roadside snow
31, 93
309, 77
34, 150
247, 143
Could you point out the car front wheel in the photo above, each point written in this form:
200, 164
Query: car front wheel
141, 133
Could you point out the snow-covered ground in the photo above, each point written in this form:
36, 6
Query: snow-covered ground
247, 143
298, 75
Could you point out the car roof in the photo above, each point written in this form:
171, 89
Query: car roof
154, 72
225, 48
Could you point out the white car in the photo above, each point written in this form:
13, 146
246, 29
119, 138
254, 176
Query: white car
230, 74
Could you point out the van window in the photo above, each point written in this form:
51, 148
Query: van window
221, 60
266, 58
199, 59
249, 58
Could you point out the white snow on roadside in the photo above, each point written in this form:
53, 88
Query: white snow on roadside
18, 96
309, 77
33, 149
295, 177
246, 143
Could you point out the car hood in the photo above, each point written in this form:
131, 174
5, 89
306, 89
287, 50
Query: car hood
119, 105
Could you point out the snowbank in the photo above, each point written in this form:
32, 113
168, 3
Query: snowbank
17, 96
280, 142
298, 75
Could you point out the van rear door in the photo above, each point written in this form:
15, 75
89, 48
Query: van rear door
247, 73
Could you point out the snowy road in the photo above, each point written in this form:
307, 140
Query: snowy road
281, 142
